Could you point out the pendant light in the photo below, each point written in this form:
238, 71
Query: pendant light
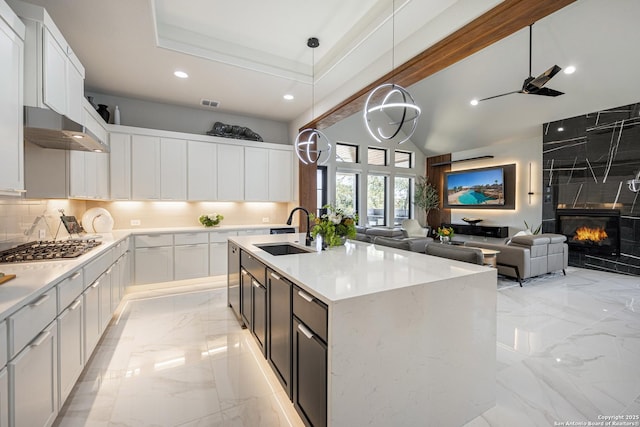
312, 146
390, 108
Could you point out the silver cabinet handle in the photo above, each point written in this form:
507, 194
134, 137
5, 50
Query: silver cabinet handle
75, 305
41, 338
256, 284
306, 331
275, 276
75, 275
40, 300
305, 296
244, 272
95, 284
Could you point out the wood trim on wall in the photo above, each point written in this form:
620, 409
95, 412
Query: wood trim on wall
307, 193
436, 178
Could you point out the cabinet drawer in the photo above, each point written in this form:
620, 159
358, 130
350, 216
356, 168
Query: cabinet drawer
3, 344
221, 236
310, 311
253, 232
31, 319
153, 240
253, 266
191, 238
69, 289
96, 267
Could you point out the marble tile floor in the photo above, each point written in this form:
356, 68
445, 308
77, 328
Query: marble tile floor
568, 351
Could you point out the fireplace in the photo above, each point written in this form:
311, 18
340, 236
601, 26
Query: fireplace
594, 231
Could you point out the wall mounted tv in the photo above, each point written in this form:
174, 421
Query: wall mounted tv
475, 188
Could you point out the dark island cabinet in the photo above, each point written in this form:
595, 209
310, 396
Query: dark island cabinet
279, 330
309, 358
245, 297
253, 294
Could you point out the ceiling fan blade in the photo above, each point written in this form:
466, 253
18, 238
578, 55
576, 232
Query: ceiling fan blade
543, 78
498, 96
545, 91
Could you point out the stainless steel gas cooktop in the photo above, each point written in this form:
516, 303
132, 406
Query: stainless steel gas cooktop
48, 250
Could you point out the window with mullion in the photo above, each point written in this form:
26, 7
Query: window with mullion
376, 200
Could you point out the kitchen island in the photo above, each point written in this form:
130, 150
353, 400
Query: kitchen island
410, 339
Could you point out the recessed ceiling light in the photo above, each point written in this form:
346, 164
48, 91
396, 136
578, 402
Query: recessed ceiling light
474, 102
570, 69
288, 97
181, 74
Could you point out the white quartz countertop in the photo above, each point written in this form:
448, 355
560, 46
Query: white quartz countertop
356, 269
200, 228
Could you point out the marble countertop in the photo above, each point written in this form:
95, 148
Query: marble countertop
356, 269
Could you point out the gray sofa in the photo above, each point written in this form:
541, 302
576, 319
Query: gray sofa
459, 253
528, 256
394, 237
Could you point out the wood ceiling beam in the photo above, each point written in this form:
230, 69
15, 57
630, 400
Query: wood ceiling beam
503, 20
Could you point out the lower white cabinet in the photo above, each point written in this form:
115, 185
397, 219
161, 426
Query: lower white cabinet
4, 398
191, 261
70, 347
33, 378
91, 303
105, 299
154, 265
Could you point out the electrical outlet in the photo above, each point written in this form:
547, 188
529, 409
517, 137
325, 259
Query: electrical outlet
135, 222
42, 234
265, 219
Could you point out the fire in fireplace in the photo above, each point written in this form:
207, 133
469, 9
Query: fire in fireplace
590, 230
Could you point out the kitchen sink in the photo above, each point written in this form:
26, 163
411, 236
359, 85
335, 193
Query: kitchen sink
283, 249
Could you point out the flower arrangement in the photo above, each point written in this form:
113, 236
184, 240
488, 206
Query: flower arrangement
334, 226
210, 220
445, 232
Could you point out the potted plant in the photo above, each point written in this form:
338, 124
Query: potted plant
335, 226
210, 220
425, 195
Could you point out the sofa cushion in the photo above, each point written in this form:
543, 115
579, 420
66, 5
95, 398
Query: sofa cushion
393, 243
531, 240
456, 252
412, 228
384, 232
555, 238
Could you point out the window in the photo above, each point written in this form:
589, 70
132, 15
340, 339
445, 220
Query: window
377, 156
404, 159
347, 191
376, 200
321, 185
402, 200
346, 153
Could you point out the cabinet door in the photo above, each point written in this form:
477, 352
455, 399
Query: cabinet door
54, 74
77, 173
70, 347
75, 93
91, 314
154, 265
145, 167
279, 336
120, 166
11, 125
280, 175
309, 375
230, 172
102, 175
105, 299
91, 175
4, 398
33, 374
202, 174
191, 261
259, 324
256, 174
173, 170
246, 296
218, 259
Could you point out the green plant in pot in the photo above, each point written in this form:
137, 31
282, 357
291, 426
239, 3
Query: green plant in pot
425, 195
210, 220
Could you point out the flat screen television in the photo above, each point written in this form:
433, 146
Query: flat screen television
474, 188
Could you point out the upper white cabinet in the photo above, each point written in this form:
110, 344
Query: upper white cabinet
256, 174
230, 170
120, 166
145, 167
280, 175
12, 33
202, 177
54, 77
173, 169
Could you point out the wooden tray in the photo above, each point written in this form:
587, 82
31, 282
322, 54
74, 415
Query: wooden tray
6, 278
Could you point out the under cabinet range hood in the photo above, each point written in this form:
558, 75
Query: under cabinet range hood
49, 129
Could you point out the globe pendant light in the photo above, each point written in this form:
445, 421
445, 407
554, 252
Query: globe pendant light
312, 146
390, 108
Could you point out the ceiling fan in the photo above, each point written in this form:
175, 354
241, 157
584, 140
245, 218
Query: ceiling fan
534, 85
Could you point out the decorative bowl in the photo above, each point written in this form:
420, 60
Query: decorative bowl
472, 221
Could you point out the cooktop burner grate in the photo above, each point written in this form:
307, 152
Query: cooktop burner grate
48, 250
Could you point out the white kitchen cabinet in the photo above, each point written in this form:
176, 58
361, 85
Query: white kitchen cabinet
191, 261
12, 33
145, 167
105, 299
33, 379
88, 175
280, 176
230, 172
77, 183
256, 174
253, 231
70, 347
154, 265
202, 174
54, 73
218, 253
91, 304
173, 169
75, 89
102, 175
120, 166
4, 398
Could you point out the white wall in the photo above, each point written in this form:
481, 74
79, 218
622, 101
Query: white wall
523, 153
156, 115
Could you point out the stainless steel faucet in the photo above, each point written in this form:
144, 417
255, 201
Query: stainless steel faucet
308, 238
